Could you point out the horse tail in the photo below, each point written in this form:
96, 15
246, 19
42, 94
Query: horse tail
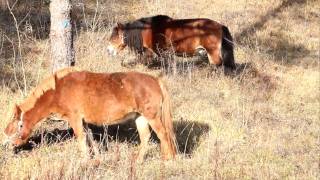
166, 118
227, 48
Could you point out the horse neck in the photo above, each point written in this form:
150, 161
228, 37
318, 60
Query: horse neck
37, 108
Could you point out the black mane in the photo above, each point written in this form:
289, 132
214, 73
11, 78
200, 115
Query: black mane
132, 31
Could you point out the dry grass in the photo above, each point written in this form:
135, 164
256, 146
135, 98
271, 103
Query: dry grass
261, 124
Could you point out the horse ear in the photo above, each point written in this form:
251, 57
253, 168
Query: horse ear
17, 107
119, 25
17, 110
55, 80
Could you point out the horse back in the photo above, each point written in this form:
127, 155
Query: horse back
184, 35
192, 28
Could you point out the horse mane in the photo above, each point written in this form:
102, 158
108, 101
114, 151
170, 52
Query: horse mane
133, 31
45, 85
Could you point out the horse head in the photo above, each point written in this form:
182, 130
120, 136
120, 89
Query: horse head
116, 40
17, 131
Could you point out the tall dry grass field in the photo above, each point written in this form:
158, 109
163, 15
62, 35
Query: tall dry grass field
262, 123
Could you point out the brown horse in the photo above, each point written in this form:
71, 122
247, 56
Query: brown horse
100, 99
153, 35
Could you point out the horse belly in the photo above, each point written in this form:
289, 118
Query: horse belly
184, 41
187, 46
110, 113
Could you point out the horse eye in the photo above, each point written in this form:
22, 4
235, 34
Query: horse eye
20, 124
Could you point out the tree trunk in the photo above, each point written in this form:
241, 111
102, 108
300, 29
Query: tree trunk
61, 36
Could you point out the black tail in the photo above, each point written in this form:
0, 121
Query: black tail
227, 48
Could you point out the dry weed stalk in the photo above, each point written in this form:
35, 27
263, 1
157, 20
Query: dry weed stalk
20, 58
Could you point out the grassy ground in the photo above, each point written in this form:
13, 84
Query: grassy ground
261, 124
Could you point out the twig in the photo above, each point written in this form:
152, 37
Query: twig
19, 45
93, 25
185, 147
14, 67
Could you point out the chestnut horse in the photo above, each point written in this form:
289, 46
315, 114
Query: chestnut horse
153, 35
100, 99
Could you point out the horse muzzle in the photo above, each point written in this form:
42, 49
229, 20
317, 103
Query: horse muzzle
7, 143
111, 50
11, 142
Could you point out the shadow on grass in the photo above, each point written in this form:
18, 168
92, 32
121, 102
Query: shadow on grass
277, 44
188, 134
177, 65
185, 68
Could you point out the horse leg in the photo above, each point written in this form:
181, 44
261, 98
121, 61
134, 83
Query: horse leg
78, 129
150, 54
214, 56
147, 56
90, 139
144, 134
166, 149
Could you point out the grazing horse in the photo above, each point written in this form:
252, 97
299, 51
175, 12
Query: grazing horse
153, 35
100, 99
